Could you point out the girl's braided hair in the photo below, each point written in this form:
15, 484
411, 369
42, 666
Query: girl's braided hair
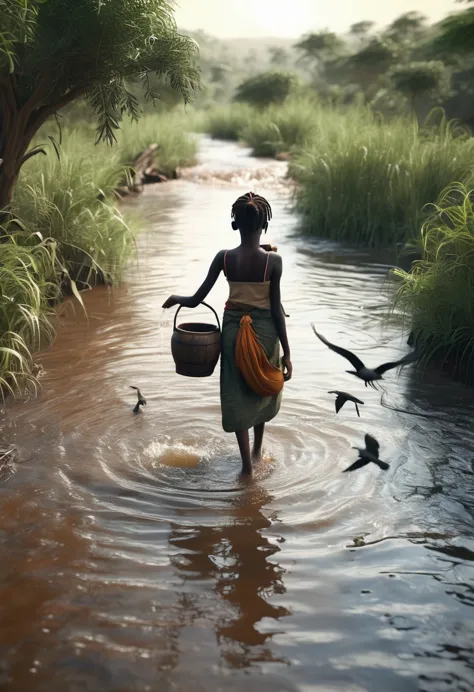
250, 213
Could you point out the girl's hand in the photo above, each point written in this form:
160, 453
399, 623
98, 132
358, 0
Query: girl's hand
170, 302
287, 369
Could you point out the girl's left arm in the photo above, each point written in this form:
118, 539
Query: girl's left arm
215, 269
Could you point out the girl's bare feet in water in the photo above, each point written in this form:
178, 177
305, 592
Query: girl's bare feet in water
257, 442
244, 446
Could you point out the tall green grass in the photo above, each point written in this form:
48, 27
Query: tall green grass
71, 200
29, 276
284, 128
437, 295
176, 147
364, 181
227, 122
70, 233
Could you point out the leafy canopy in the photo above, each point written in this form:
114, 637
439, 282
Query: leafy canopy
418, 78
53, 51
266, 88
320, 46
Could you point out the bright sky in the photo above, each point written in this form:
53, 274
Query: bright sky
254, 18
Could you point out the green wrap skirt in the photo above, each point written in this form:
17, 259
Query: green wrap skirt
242, 408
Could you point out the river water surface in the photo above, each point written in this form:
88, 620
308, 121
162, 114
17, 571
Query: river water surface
132, 556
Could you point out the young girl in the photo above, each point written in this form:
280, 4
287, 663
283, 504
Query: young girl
254, 302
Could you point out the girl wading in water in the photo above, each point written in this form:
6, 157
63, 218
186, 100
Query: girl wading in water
252, 330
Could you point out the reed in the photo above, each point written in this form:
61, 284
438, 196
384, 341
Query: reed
29, 282
71, 199
437, 295
177, 148
227, 122
282, 129
367, 182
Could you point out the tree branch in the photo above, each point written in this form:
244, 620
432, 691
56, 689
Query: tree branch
32, 153
38, 117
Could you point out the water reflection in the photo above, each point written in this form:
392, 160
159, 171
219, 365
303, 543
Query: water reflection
239, 559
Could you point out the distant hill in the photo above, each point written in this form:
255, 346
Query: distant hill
242, 46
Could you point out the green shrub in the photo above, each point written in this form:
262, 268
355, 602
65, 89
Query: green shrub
267, 88
437, 295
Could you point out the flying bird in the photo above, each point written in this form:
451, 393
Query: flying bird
342, 397
370, 453
141, 399
369, 375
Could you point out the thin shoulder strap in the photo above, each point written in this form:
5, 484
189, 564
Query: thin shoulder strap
225, 266
266, 266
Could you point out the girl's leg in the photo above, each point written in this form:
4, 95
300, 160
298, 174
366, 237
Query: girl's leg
244, 446
257, 441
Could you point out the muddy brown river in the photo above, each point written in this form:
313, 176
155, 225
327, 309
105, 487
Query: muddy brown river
132, 556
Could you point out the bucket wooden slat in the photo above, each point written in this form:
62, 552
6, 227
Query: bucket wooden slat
196, 346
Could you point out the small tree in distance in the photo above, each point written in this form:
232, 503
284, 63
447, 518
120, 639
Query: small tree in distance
53, 52
361, 30
266, 88
419, 78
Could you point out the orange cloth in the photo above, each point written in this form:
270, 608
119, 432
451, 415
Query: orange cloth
260, 375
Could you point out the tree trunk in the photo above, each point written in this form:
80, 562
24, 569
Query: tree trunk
11, 156
16, 140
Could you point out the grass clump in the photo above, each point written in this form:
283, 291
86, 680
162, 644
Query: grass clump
437, 295
367, 182
29, 276
281, 129
176, 147
71, 200
228, 122
67, 235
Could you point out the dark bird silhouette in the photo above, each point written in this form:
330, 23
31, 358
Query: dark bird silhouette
342, 397
369, 375
370, 453
141, 399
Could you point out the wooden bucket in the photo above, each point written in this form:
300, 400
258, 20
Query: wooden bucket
196, 346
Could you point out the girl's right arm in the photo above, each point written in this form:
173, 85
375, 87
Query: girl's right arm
279, 316
193, 301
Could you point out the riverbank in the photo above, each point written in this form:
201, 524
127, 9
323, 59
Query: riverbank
71, 234
135, 556
437, 294
360, 179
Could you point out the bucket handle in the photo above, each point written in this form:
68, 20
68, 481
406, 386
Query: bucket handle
202, 303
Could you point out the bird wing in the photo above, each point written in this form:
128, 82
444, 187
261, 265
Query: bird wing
371, 445
140, 396
353, 398
340, 401
354, 361
410, 358
358, 464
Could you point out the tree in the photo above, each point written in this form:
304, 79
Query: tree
456, 35
407, 27
279, 57
266, 88
372, 61
361, 30
53, 52
320, 46
419, 78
